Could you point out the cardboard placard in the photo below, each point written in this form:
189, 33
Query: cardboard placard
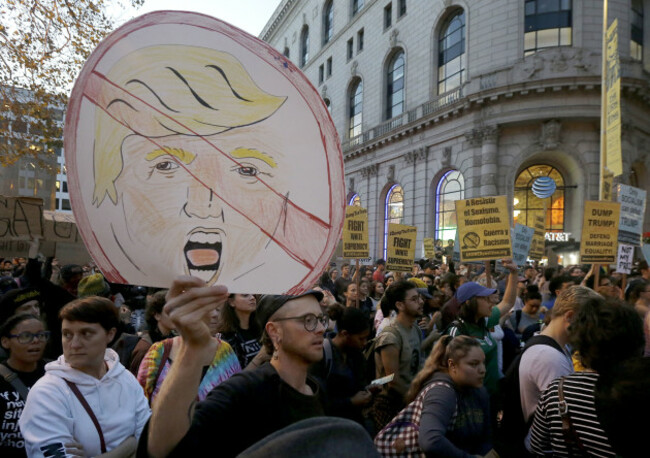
521, 241
429, 248
625, 258
355, 233
484, 226
21, 218
599, 240
400, 251
633, 201
60, 227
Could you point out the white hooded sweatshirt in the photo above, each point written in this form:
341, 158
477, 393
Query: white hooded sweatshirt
53, 416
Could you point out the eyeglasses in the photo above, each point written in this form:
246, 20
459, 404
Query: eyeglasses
28, 337
310, 321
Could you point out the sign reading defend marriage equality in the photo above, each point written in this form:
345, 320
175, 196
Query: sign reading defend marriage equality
484, 228
400, 251
355, 233
194, 148
599, 232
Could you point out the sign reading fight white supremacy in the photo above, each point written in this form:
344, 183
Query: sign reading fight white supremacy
632, 202
401, 247
599, 232
484, 227
355, 233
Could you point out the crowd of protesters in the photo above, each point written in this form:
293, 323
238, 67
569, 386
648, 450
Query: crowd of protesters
495, 360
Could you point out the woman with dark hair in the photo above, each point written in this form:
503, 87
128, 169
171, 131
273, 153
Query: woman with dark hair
238, 327
455, 414
327, 283
342, 368
23, 336
86, 382
478, 313
605, 335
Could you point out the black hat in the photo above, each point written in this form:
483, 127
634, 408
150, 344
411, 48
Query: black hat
270, 303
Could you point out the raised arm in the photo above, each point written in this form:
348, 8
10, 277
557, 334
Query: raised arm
510, 295
188, 301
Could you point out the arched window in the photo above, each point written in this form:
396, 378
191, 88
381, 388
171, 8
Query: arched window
328, 22
636, 42
395, 87
451, 53
394, 210
355, 201
286, 52
451, 188
304, 46
526, 204
356, 108
547, 24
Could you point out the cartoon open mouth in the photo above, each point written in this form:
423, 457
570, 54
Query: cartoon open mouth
203, 253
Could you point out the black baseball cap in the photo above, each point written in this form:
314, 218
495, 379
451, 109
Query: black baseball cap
271, 303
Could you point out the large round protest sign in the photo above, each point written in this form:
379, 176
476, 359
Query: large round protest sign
194, 148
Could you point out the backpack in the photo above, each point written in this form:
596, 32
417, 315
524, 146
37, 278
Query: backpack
369, 353
512, 428
400, 437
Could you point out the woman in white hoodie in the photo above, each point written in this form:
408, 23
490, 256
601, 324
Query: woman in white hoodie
87, 404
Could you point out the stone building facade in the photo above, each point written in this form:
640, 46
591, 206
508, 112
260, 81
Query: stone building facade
439, 100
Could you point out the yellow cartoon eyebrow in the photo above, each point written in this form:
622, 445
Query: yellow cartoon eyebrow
244, 153
184, 156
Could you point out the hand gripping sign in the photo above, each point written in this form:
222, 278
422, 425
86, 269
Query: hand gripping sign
195, 148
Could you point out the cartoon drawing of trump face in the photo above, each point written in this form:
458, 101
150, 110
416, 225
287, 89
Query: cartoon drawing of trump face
196, 168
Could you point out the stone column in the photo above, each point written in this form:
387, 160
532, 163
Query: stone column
489, 166
472, 174
369, 173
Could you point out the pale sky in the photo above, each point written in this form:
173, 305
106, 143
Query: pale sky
249, 15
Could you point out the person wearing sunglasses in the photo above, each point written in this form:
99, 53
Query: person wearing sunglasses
23, 336
293, 328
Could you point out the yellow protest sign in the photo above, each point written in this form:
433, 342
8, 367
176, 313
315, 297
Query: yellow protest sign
599, 240
613, 102
429, 248
355, 233
539, 239
400, 247
607, 184
484, 227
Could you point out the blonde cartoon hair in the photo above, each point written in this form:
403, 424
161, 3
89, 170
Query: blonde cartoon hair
172, 90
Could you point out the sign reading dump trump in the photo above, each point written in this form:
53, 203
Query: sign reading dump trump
194, 148
484, 228
400, 250
599, 241
355, 233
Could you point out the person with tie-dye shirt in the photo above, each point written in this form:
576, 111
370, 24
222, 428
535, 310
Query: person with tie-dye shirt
219, 365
